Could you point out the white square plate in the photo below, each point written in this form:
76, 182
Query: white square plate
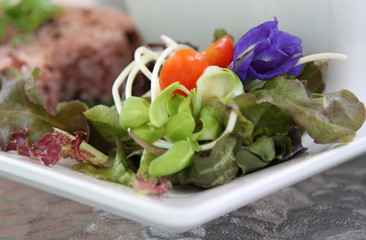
182, 208
185, 208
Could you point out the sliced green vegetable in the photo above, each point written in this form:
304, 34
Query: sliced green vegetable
174, 160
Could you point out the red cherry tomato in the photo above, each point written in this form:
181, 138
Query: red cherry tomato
184, 66
220, 53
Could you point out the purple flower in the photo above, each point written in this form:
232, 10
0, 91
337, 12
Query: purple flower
264, 53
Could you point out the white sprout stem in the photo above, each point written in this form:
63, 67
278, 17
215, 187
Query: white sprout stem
130, 80
135, 70
144, 52
168, 41
163, 144
143, 56
321, 56
117, 84
229, 128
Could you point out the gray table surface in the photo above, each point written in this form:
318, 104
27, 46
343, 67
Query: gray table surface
330, 205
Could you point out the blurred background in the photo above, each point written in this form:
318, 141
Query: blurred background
324, 26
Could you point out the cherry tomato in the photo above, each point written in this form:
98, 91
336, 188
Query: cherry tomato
184, 66
220, 53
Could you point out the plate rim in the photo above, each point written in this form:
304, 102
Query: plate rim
174, 212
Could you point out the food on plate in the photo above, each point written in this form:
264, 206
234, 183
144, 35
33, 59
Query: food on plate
205, 121
79, 51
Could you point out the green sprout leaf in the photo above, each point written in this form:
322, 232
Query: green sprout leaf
211, 127
218, 83
180, 126
134, 112
178, 157
159, 113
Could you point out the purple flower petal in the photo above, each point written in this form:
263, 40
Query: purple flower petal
264, 53
286, 67
261, 33
289, 43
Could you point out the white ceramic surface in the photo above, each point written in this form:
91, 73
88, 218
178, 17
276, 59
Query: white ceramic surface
333, 25
183, 208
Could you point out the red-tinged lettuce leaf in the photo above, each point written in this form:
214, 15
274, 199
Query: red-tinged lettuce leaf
19, 142
312, 74
263, 115
255, 118
327, 118
289, 146
21, 107
151, 187
243, 126
31, 91
60, 144
257, 155
264, 148
218, 168
48, 149
118, 172
249, 162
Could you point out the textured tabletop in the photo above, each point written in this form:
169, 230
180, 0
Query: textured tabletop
330, 205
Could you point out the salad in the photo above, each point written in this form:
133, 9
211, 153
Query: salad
209, 117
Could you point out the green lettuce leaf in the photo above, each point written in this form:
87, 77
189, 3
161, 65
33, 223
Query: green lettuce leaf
106, 121
249, 162
217, 168
21, 107
118, 172
327, 118
257, 155
313, 76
